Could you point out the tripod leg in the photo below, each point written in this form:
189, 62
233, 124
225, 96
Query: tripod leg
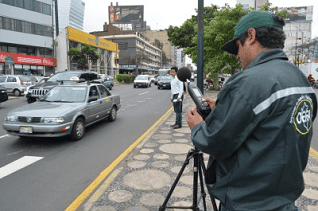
201, 182
195, 182
185, 163
204, 171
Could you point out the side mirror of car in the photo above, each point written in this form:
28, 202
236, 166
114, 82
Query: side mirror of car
92, 99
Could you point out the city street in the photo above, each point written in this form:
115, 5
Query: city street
59, 170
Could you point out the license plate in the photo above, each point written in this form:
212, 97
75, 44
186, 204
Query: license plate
26, 130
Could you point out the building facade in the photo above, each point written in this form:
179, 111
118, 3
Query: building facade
136, 53
168, 48
298, 30
252, 3
180, 58
107, 50
26, 37
71, 13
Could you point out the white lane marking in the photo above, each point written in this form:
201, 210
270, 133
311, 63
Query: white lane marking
143, 93
17, 165
4, 136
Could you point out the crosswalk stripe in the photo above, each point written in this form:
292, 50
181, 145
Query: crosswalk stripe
17, 165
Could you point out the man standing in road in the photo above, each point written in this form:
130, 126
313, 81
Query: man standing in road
176, 97
259, 131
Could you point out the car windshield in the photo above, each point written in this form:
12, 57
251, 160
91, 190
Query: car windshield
165, 78
63, 77
142, 77
3, 78
67, 94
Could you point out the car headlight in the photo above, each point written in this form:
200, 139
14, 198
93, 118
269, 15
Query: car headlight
53, 120
11, 118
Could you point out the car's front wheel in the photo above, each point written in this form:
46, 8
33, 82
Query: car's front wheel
16, 92
110, 87
31, 99
113, 114
78, 129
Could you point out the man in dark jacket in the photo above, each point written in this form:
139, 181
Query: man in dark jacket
259, 131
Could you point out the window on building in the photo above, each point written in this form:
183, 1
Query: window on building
18, 26
31, 51
9, 2
38, 6
29, 4
22, 50
19, 3
46, 9
1, 24
4, 48
12, 49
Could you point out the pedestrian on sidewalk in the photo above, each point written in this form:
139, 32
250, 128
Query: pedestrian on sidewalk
176, 97
259, 131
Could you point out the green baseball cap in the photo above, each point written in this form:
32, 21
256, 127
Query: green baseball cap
254, 19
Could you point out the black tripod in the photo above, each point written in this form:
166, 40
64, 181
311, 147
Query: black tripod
198, 166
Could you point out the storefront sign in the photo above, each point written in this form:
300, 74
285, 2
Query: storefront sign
26, 59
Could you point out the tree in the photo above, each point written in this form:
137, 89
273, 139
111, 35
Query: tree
84, 56
219, 28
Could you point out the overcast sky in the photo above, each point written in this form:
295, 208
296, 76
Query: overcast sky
163, 13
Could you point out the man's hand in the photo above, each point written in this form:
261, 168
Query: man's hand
210, 102
178, 100
193, 118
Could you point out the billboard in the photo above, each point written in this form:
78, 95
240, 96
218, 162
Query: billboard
304, 13
126, 14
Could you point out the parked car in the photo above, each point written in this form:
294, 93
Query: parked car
15, 84
39, 90
109, 83
142, 81
66, 109
3, 94
164, 82
39, 80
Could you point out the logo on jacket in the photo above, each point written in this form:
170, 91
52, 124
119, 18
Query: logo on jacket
302, 115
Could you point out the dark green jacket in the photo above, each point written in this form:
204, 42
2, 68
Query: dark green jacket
260, 134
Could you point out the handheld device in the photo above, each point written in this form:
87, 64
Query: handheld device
203, 108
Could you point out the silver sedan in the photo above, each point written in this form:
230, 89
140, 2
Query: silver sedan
64, 110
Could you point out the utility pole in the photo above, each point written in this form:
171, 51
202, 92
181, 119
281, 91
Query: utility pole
200, 45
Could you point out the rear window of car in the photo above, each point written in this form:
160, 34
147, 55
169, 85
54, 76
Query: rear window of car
24, 79
63, 76
142, 77
3, 78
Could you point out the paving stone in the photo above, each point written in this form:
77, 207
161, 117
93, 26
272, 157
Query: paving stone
146, 151
136, 164
312, 208
147, 179
151, 145
187, 180
164, 141
161, 136
160, 164
182, 140
120, 196
141, 157
311, 179
152, 199
165, 131
313, 168
178, 134
165, 128
310, 193
177, 169
103, 208
175, 148
180, 157
161, 156
184, 130
136, 208
181, 192
182, 204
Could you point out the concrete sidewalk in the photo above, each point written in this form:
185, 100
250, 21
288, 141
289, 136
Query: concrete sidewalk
142, 180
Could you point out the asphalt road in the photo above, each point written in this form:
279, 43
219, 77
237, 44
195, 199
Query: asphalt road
63, 169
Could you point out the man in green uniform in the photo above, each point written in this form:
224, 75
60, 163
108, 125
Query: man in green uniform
259, 131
